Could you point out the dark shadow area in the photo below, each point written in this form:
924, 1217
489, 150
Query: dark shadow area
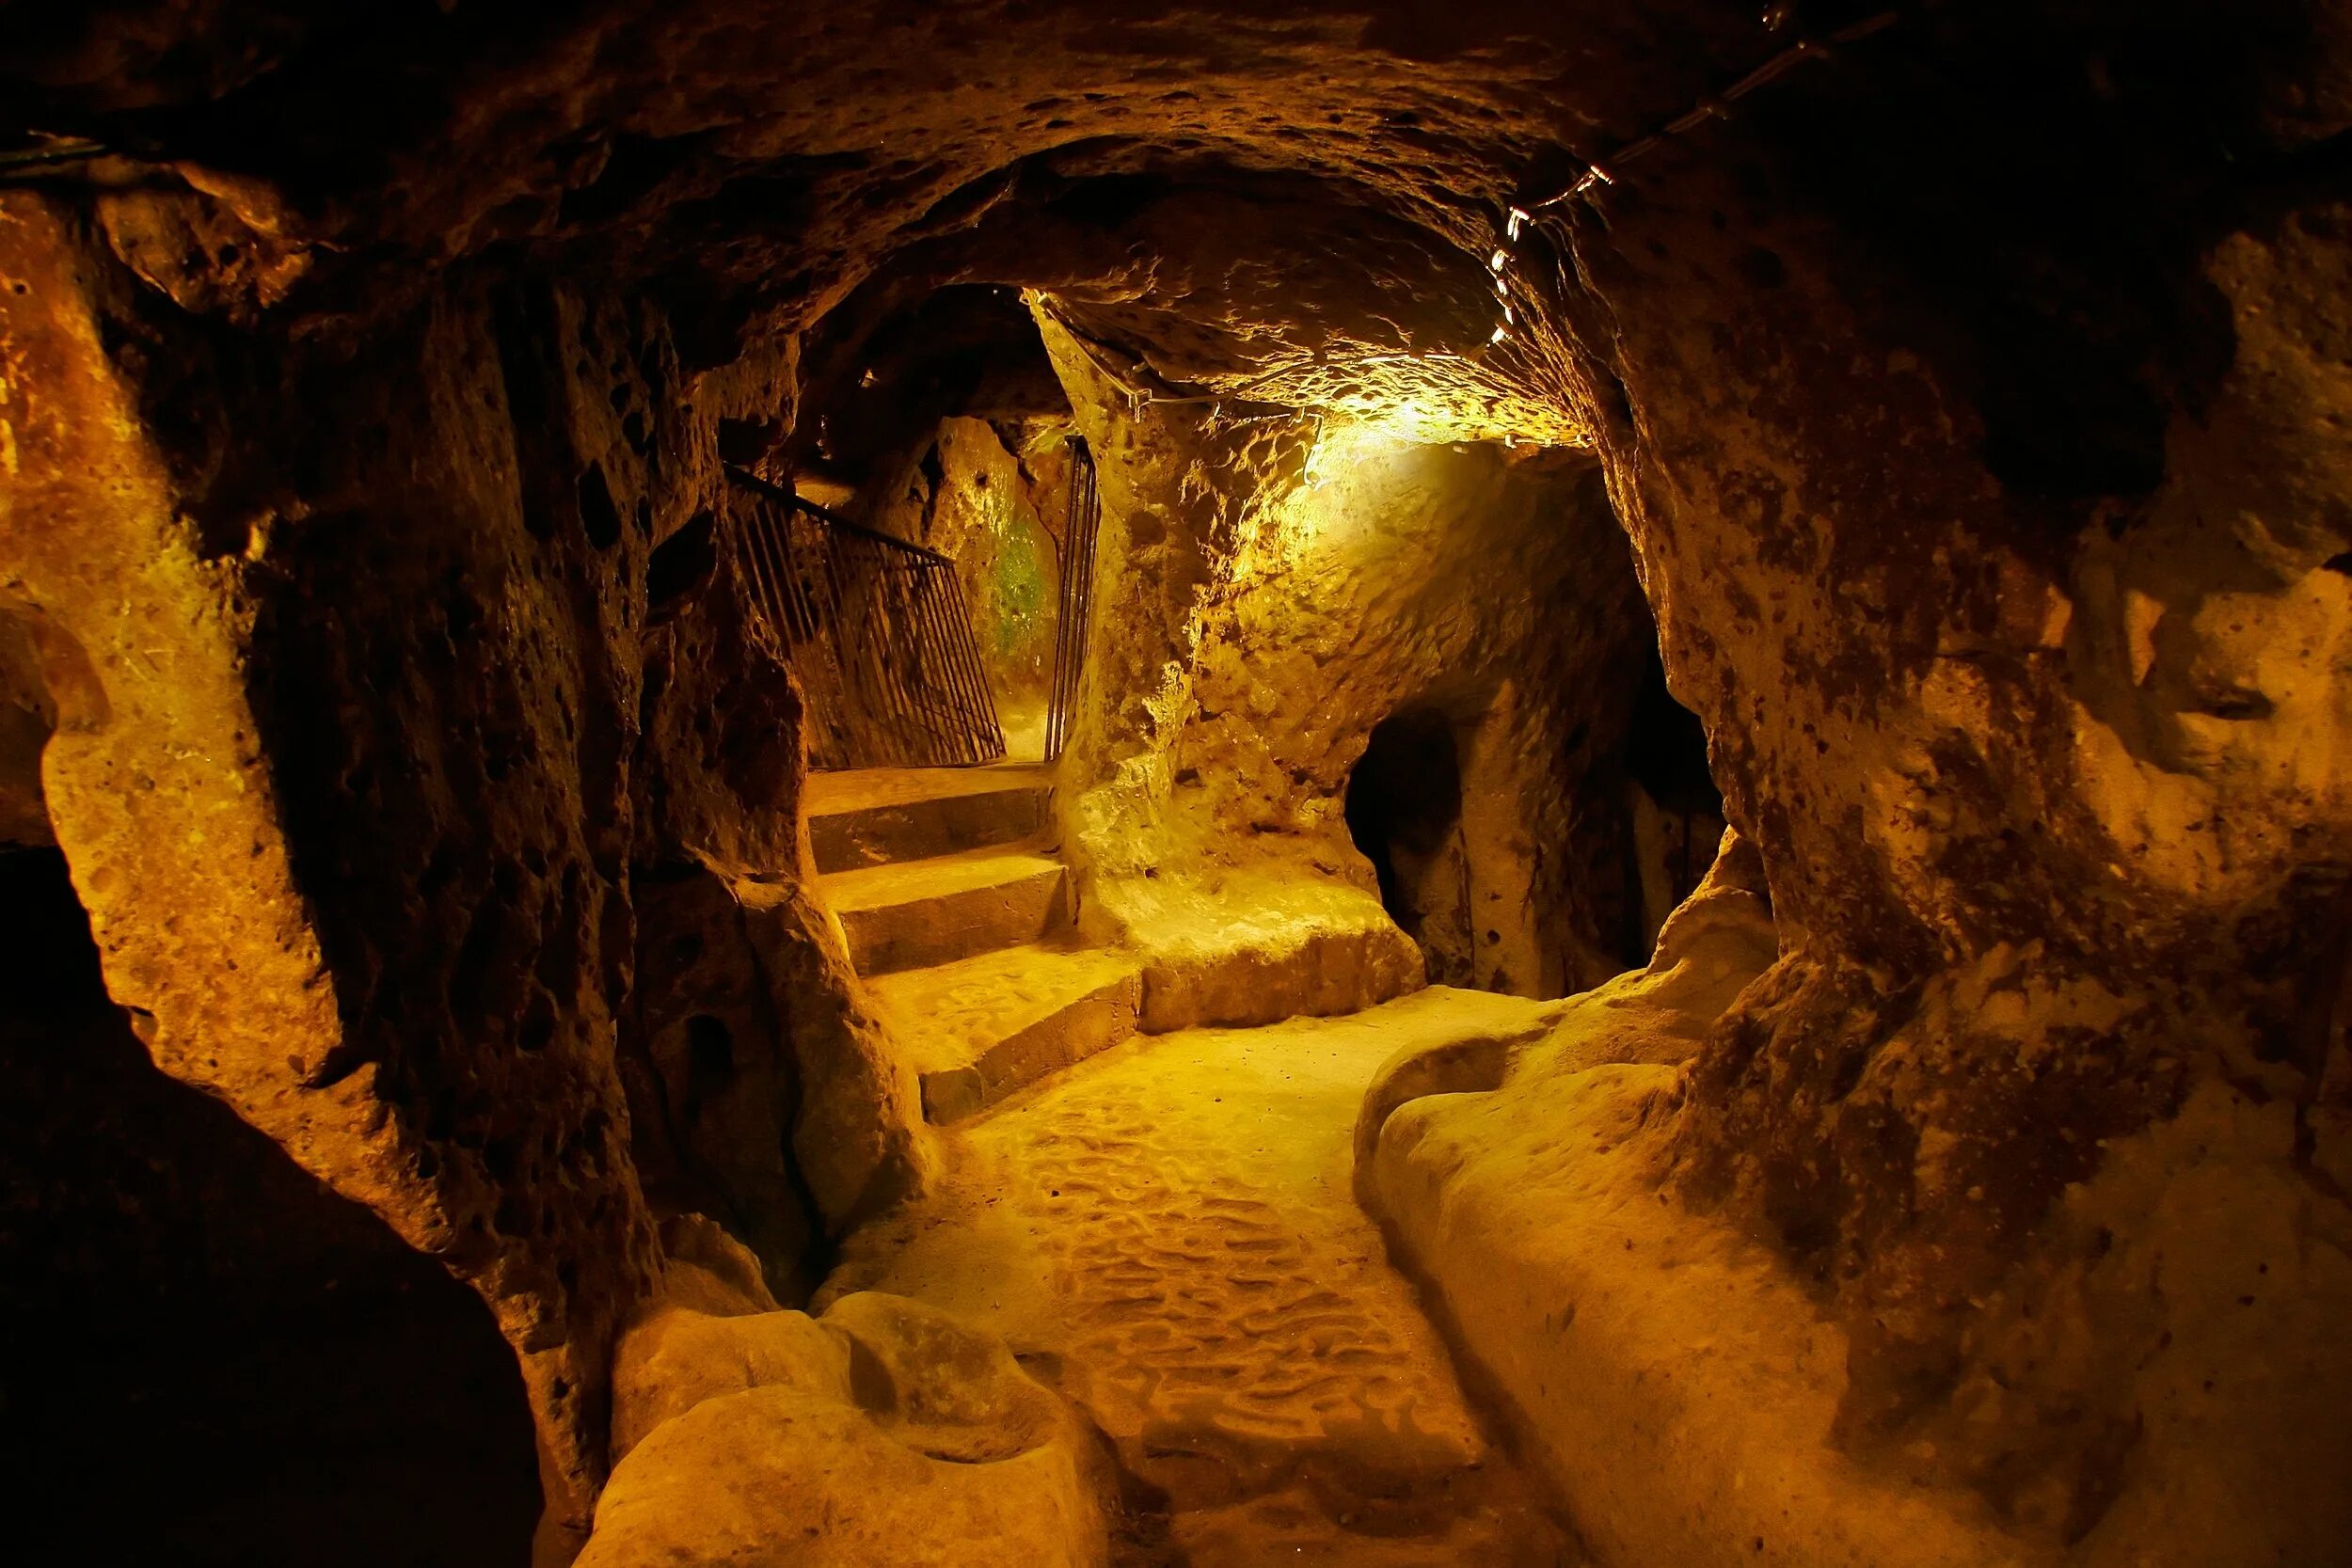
2071, 301
714, 1087
1404, 813
1665, 751
681, 566
1676, 810
206, 1359
878, 387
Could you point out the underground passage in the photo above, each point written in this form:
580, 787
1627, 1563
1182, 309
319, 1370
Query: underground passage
1145, 785
1404, 809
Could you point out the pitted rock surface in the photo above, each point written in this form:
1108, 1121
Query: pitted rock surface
1168, 1229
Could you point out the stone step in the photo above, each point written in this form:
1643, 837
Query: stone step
917, 913
880, 816
981, 1028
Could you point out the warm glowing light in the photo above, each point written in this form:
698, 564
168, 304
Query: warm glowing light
1480, 393
1326, 511
1342, 446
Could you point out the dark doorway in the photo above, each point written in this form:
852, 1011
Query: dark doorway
206, 1358
1404, 812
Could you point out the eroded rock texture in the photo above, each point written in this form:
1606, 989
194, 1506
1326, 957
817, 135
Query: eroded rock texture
1273, 594
1972, 401
2001, 644
27, 720
372, 624
1480, 606
884, 1432
186, 1306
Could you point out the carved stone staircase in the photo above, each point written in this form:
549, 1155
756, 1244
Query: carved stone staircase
958, 915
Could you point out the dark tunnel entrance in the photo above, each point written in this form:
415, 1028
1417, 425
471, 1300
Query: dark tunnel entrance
1404, 813
211, 1360
1675, 809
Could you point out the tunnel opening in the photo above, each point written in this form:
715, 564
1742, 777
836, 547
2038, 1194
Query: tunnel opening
944, 424
211, 1360
1675, 811
1403, 810
884, 372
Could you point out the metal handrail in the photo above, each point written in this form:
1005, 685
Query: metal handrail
778, 493
875, 626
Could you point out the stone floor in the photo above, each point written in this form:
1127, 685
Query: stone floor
1167, 1232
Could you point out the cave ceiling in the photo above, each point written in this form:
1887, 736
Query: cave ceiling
1268, 202
1254, 203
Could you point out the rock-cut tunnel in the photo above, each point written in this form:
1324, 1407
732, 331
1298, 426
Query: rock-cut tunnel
1176, 785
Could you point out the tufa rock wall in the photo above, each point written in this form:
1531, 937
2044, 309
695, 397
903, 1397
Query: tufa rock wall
1999, 548
347, 640
1268, 595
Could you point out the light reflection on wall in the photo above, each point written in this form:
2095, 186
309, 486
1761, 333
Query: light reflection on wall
1326, 510
1521, 391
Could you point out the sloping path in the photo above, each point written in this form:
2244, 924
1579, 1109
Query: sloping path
1167, 1231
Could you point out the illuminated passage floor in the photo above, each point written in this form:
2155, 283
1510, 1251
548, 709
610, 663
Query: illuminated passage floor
1165, 1231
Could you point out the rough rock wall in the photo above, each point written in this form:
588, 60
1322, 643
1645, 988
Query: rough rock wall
376, 607
155, 781
1494, 592
26, 718
1176, 486
2012, 600
1227, 944
1268, 594
444, 666
287, 1379
767, 1096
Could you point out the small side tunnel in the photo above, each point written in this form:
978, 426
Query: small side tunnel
1404, 812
